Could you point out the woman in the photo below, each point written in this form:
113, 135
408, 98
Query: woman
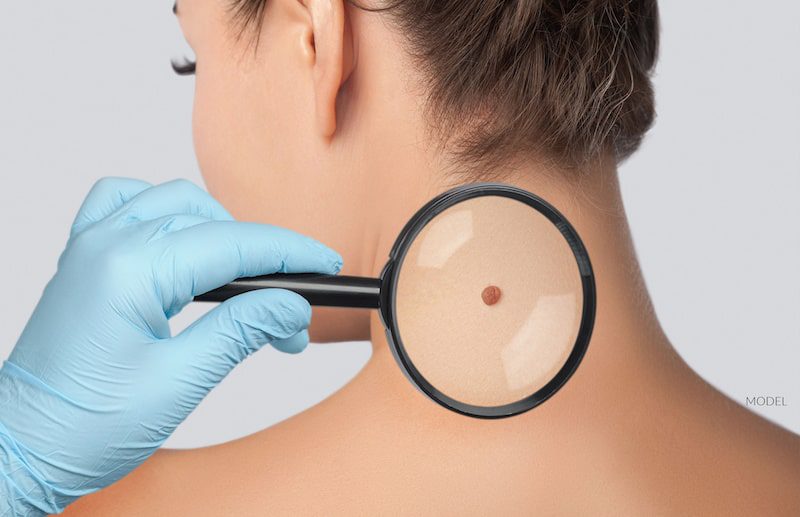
339, 122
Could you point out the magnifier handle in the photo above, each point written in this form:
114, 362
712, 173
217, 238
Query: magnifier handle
318, 289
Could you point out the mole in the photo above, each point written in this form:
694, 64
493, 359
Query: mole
491, 295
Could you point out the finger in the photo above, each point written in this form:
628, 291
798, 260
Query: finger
292, 345
163, 226
106, 196
173, 197
158, 229
206, 256
229, 333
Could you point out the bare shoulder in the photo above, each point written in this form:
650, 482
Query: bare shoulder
151, 489
351, 455
216, 480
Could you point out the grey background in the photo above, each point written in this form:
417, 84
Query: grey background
86, 91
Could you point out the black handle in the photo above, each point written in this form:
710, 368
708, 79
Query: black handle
318, 289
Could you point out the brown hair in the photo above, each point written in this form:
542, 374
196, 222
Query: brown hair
565, 81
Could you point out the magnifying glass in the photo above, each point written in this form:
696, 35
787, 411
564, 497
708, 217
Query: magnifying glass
488, 299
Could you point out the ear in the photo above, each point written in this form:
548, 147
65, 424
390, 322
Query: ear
331, 49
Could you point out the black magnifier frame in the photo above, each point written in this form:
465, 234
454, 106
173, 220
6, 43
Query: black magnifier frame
378, 293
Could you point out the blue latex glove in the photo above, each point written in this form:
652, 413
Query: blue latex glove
95, 383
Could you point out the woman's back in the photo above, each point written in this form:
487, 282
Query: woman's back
650, 442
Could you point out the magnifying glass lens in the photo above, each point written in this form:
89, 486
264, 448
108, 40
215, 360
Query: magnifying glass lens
488, 301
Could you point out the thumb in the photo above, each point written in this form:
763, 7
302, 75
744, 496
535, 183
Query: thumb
213, 345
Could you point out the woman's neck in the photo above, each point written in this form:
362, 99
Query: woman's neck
627, 335
634, 428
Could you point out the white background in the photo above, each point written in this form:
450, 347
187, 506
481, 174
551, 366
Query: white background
86, 91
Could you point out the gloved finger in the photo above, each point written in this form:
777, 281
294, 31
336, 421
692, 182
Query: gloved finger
106, 196
162, 226
292, 345
173, 197
225, 336
204, 257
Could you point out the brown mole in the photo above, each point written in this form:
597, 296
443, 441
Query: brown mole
491, 295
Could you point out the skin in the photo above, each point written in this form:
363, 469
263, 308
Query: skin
322, 131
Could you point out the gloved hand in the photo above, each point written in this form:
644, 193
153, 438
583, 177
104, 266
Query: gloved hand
95, 383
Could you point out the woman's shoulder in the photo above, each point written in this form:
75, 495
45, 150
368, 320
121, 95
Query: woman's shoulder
150, 489
242, 476
357, 457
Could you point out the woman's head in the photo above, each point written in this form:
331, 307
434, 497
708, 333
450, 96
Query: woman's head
339, 120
